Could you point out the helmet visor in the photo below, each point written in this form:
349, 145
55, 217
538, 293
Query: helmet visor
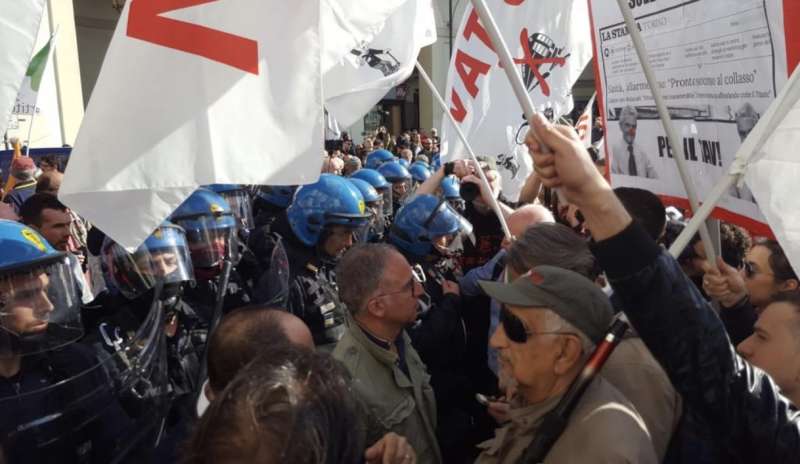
376, 224
402, 189
445, 220
387, 200
39, 309
208, 243
242, 208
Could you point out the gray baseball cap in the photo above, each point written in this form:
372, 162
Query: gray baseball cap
570, 295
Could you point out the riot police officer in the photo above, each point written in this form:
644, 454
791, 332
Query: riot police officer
58, 402
378, 158
320, 224
270, 201
451, 191
210, 227
374, 207
239, 201
428, 231
419, 173
375, 179
400, 179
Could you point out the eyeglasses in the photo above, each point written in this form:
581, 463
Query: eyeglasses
750, 271
515, 329
417, 275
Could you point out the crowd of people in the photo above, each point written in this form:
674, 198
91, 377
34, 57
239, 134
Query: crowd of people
382, 315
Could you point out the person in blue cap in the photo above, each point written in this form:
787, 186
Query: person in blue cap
210, 227
400, 179
322, 222
428, 232
56, 399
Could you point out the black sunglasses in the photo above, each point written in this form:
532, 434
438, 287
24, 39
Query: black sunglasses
515, 329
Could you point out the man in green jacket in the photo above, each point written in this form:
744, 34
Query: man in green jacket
381, 290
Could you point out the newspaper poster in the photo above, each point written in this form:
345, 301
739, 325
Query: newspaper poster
719, 66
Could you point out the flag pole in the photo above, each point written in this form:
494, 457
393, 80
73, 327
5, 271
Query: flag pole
666, 121
30, 129
506, 61
754, 142
495, 205
52, 42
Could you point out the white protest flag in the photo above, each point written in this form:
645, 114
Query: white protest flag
551, 42
584, 124
774, 169
346, 24
196, 92
19, 25
372, 69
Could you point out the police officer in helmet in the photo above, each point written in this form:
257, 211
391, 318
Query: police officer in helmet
374, 207
322, 222
401, 182
376, 180
428, 232
56, 400
210, 227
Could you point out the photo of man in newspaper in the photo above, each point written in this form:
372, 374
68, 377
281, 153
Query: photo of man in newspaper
628, 157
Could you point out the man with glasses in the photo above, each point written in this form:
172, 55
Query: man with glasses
389, 375
549, 323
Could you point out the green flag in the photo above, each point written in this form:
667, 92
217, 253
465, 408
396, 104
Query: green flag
38, 63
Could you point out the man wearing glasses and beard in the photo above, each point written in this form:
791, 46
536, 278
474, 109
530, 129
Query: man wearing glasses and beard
549, 323
381, 291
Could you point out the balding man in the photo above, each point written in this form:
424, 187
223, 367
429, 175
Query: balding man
244, 334
484, 324
49, 182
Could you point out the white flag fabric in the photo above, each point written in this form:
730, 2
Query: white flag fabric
774, 168
213, 92
584, 124
372, 69
346, 24
551, 42
19, 26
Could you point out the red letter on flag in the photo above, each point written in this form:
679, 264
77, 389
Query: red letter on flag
145, 23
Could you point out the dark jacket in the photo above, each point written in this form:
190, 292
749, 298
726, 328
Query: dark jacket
739, 320
747, 417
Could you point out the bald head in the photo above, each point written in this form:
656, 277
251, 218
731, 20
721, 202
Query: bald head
524, 217
406, 154
49, 182
248, 332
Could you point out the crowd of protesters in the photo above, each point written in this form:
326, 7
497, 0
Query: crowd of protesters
382, 315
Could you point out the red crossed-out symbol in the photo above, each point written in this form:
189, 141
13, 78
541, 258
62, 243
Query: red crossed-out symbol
534, 63
146, 23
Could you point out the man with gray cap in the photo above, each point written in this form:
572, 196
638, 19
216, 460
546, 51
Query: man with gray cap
549, 323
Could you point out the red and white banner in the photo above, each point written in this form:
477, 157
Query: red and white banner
550, 40
196, 92
719, 67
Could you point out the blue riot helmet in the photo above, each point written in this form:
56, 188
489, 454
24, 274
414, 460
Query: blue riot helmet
277, 195
319, 207
399, 177
404, 162
374, 206
164, 257
380, 183
39, 301
379, 157
451, 191
427, 224
419, 172
210, 227
239, 201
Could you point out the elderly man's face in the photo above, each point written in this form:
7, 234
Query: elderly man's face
26, 307
628, 125
532, 363
774, 346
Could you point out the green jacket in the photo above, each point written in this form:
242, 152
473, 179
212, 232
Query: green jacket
394, 402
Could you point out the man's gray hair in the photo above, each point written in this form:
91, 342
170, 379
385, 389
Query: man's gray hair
359, 273
555, 323
550, 244
628, 112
